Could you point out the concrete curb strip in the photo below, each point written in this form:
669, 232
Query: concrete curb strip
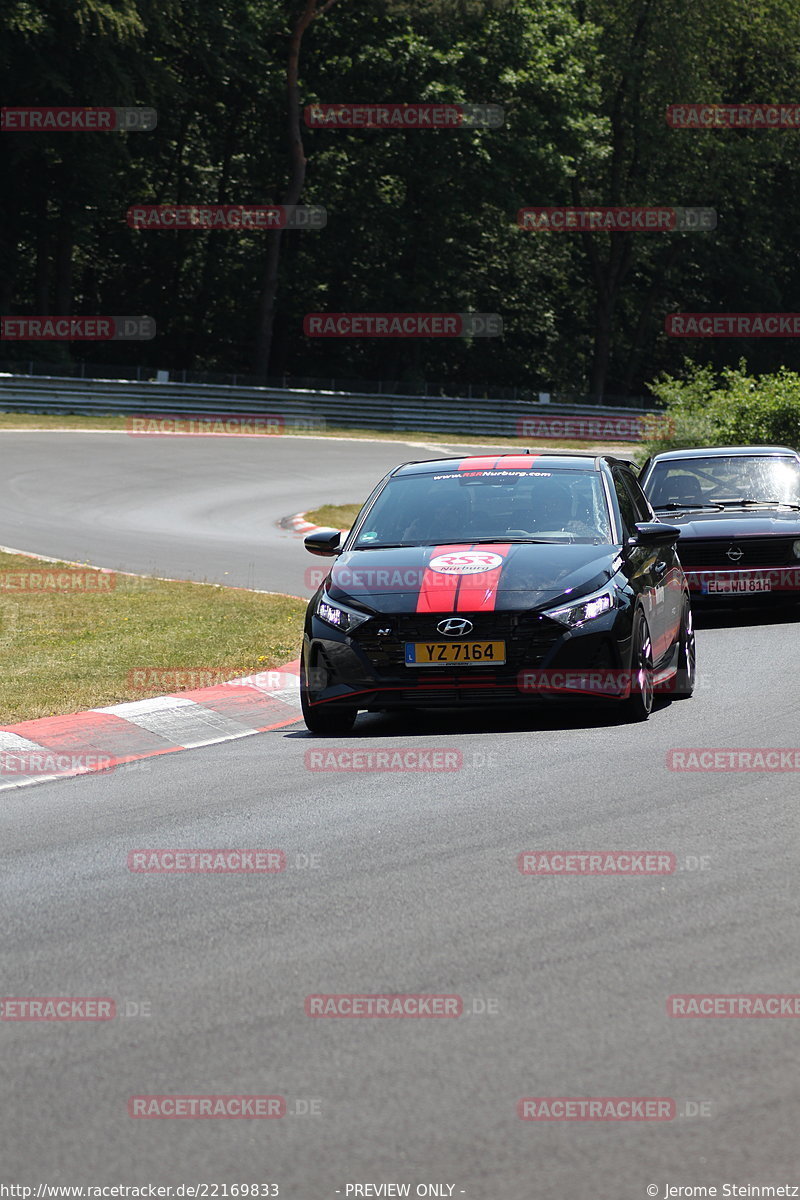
100, 739
103, 738
300, 525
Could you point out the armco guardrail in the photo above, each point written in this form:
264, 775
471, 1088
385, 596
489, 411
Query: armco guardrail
301, 411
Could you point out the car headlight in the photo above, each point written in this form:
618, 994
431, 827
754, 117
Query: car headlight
796, 549
582, 611
339, 616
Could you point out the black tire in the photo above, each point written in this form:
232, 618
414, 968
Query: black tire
639, 705
328, 720
687, 657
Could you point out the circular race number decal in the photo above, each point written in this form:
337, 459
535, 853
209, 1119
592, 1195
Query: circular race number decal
465, 562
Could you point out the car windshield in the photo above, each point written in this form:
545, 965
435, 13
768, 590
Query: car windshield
488, 505
723, 481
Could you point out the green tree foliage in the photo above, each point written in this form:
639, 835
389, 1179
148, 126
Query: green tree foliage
417, 220
734, 407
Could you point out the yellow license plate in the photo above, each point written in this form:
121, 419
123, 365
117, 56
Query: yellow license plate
436, 654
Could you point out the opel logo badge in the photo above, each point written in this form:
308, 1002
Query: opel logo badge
455, 627
735, 553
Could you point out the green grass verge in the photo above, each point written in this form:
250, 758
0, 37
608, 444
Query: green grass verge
338, 516
625, 449
63, 653
10, 420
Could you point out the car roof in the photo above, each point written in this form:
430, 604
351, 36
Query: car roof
577, 460
720, 452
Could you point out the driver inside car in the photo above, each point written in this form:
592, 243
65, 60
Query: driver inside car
440, 521
553, 511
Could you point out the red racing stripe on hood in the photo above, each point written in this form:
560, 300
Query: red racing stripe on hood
437, 592
442, 591
478, 593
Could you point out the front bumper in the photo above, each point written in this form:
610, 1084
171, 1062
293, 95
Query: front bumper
370, 672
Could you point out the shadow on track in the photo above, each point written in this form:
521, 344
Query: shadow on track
761, 612
537, 718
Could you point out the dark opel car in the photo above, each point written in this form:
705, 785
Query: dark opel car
497, 580
738, 510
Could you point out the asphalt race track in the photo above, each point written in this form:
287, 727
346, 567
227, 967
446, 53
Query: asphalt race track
402, 882
189, 508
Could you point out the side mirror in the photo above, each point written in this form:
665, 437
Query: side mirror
654, 533
324, 542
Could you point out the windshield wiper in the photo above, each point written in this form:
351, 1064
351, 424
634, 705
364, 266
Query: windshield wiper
744, 501
674, 505
462, 541
530, 541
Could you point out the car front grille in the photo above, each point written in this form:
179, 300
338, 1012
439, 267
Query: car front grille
528, 639
756, 552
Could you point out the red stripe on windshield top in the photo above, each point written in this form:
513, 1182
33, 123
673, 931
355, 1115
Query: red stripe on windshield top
514, 462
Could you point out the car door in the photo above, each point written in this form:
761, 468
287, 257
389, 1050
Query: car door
673, 585
648, 568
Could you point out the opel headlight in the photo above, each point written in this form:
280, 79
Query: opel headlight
582, 611
340, 616
796, 549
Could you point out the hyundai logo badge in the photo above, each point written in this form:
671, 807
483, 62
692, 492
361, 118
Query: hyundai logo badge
455, 627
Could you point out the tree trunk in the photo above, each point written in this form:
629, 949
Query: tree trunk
297, 177
645, 313
609, 275
42, 274
62, 292
214, 241
625, 157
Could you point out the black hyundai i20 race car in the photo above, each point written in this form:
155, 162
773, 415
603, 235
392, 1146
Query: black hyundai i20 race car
494, 580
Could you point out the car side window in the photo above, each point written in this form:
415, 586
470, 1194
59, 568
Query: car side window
626, 505
640, 501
